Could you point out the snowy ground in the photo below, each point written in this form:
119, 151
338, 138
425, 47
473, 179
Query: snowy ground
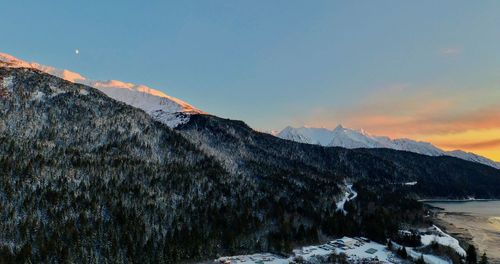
354, 248
442, 238
430, 235
429, 259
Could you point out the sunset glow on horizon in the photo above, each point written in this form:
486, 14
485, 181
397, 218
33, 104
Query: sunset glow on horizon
467, 120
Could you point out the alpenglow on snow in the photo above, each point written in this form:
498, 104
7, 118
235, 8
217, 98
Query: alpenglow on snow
162, 107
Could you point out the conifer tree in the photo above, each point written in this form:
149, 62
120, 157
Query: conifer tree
420, 260
471, 255
484, 259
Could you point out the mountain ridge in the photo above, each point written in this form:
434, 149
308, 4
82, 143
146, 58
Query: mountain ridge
162, 107
350, 138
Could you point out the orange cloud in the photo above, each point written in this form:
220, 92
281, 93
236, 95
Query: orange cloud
433, 114
488, 144
480, 141
411, 111
433, 120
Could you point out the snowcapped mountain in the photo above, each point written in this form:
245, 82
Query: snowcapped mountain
162, 107
350, 138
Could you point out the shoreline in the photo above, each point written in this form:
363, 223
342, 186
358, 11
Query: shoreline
455, 200
457, 225
463, 235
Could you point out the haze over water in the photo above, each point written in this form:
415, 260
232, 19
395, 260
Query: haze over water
480, 218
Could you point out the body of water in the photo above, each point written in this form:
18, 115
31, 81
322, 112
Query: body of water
481, 219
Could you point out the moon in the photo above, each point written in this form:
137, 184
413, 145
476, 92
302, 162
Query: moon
77, 51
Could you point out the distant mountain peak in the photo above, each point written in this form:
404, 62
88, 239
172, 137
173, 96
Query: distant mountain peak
162, 107
339, 127
293, 134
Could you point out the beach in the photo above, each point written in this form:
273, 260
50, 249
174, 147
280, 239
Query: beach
474, 221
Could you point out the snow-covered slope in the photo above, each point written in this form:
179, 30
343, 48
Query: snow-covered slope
320, 136
417, 147
473, 157
350, 138
162, 107
291, 133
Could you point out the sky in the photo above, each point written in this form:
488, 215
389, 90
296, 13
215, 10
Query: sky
427, 70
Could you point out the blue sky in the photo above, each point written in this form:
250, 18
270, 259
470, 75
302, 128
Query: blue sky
274, 63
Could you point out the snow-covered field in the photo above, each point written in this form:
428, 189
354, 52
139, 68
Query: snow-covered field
354, 248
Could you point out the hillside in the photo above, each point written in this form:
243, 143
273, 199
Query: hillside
86, 177
162, 107
237, 145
